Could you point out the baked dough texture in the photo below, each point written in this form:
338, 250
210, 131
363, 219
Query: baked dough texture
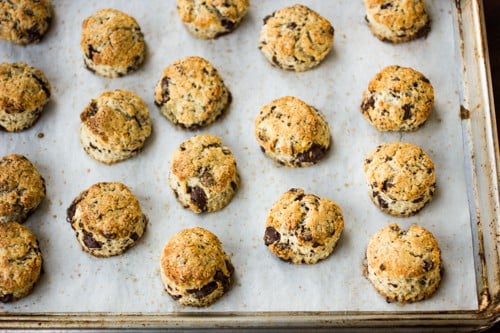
20, 261
400, 177
115, 126
211, 18
24, 21
22, 188
191, 93
292, 133
296, 38
24, 92
195, 270
404, 265
397, 21
303, 228
398, 99
107, 219
112, 43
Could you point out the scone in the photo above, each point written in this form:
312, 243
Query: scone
211, 18
115, 126
20, 261
195, 270
404, 265
296, 38
203, 174
24, 21
24, 91
191, 93
398, 99
397, 21
400, 178
292, 132
112, 43
107, 219
22, 188
303, 228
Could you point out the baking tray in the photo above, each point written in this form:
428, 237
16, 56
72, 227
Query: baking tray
78, 291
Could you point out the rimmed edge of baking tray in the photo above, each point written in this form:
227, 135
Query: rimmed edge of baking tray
481, 164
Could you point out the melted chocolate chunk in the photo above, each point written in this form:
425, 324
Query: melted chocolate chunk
89, 241
6, 298
271, 236
204, 291
313, 155
70, 212
229, 25
428, 265
407, 109
369, 104
199, 198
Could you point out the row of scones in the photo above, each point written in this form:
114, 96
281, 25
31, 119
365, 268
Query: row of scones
301, 228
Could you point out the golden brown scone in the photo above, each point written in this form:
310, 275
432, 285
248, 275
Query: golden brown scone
22, 188
292, 132
404, 266
398, 99
203, 174
20, 261
24, 21
400, 178
296, 38
211, 18
195, 270
303, 228
24, 91
397, 21
115, 126
191, 93
107, 219
112, 43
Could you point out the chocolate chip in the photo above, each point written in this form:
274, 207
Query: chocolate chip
386, 5
204, 291
90, 242
134, 236
206, 178
174, 297
70, 212
267, 18
368, 104
417, 200
428, 265
271, 236
382, 203
382, 267
407, 109
34, 34
291, 25
6, 298
224, 280
199, 198
314, 154
234, 186
91, 51
229, 25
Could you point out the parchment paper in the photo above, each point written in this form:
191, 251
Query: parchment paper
75, 281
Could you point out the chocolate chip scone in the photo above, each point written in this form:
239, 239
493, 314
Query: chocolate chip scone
292, 132
195, 270
398, 99
203, 174
303, 228
296, 38
115, 126
191, 93
22, 188
211, 18
24, 21
112, 43
400, 178
397, 21
107, 219
404, 265
20, 261
24, 91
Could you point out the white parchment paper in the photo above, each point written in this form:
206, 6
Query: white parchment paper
77, 282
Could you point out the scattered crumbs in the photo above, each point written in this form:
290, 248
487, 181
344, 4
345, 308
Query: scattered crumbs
40, 135
54, 216
346, 184
88, 170
464, 113
229, 51
60, 202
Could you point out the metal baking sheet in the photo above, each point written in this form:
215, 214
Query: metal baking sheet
77, 289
